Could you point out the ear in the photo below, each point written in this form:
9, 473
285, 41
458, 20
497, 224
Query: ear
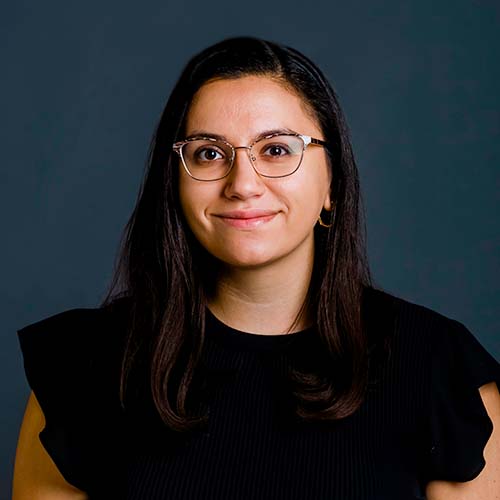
328, 205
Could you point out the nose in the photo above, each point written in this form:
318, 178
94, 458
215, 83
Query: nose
243, 181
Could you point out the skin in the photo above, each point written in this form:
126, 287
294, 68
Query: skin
266, 269
36, 476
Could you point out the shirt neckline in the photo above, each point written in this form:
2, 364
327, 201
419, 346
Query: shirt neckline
240, 340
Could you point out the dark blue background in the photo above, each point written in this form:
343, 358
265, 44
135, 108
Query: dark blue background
83, 85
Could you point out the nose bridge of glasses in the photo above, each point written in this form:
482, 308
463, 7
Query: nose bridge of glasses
249, 152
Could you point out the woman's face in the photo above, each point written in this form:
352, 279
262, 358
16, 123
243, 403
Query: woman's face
244, 219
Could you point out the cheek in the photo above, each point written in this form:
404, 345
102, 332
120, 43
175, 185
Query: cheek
306, 193
196, 198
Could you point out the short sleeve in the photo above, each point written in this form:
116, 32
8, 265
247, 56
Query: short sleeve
459, 425
58, 357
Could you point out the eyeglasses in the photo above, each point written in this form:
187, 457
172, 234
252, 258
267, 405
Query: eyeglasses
274, 155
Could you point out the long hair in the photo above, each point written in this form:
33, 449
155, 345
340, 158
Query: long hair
160, 268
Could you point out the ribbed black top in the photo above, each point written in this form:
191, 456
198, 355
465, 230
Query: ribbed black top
238, 340
422, 417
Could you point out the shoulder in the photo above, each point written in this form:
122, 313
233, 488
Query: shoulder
64, 351
408, 318
77, 324
423, 341
395, 325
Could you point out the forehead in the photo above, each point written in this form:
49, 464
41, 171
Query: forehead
241, 108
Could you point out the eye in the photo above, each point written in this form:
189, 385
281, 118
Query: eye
209, 154
275, 150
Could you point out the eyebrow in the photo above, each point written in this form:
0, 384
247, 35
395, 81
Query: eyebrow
204, 133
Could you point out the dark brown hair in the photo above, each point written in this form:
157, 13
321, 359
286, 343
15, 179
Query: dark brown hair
161, 267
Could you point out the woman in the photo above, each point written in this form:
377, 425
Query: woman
242, 351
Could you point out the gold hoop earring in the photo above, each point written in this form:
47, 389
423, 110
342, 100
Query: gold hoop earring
321, 223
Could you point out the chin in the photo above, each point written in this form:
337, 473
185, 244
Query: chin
247, 258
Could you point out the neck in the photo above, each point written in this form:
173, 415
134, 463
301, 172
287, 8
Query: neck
265, 300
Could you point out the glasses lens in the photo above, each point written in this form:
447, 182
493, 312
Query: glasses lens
207, 160
278, 156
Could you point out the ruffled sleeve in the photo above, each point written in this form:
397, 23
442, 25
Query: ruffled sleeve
458, 423
59, 354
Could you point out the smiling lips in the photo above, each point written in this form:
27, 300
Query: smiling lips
246, 219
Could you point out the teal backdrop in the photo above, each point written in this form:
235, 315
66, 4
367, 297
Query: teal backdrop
83, 85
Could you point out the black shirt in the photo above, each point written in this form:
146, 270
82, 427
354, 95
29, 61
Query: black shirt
422, 417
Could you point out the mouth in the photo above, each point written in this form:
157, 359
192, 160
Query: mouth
246, 219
